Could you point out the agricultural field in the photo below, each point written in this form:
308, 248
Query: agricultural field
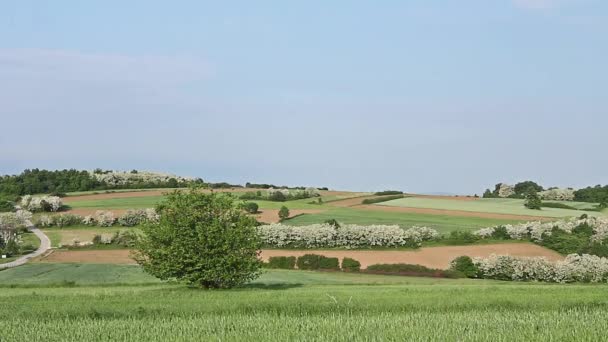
490, 205
46, 301
343, 206
443, 223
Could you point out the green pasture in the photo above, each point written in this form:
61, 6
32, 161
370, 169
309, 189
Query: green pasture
443, 223
489, 205
81, 233
291, 306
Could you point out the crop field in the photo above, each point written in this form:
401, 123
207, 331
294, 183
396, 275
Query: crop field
67, 235
489, 205
292, 305
442, 223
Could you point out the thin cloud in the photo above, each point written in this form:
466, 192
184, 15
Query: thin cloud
100, 68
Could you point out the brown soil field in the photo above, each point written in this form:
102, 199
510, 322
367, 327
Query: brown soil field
434, 257
272, 215
453, 213
118, 256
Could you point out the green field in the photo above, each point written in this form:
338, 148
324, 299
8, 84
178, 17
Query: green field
442, 223
294, 305
81, 233
490, 205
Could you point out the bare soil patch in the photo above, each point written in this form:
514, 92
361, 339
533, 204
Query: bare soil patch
272, 215
453, 213
433, 257
119, 256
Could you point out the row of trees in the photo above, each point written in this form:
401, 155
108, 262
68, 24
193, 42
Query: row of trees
36, 181
595, 194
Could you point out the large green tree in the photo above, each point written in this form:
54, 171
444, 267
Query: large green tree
202, 239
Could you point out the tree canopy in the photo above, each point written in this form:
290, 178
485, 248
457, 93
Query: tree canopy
202, 239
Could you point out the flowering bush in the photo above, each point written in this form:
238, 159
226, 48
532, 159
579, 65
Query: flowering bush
41, 203
574, 268
63, 220
19, 219
134, 217
557, 194
347, 236
505, 190
536, 230
120, 178
104, 218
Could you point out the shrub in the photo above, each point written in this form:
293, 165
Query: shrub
533, 201
464, 264
282, 262
350, 265
125, 238
317, 262
250, 207
309, 262
104, 218
557, 205
97, 239
41, 203
410, 270
6, 205
381, 199
132, 218
333, 223
283, 213
347, 236
501, 233
461, 238
329, 263
574, 268
66, 220
388, 192
277, 196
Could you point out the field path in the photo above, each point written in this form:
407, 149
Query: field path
45, 245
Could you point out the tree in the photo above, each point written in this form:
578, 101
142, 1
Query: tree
250, 207
533, 201
283, 213
523, 188
202, 239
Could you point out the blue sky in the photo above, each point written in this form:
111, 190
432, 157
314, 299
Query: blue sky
424, 96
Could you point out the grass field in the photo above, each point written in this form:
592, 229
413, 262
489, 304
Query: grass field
65, 236
443, 223
488, 205
295, 305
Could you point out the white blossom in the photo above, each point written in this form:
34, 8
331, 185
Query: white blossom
574, 268
346, 236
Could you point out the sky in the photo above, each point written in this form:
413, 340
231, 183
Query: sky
423, 96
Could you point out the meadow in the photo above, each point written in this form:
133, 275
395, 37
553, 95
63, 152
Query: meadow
294, 305
442, 223
490, 205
